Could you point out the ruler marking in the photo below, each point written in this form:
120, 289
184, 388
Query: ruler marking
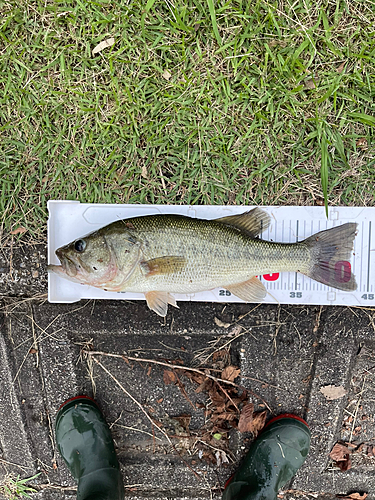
369, 256
282, 274
289, 240
296, 277
360, 284
353, 257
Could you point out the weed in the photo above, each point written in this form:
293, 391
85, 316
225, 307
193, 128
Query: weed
14, 487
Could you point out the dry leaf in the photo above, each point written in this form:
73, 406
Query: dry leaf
340, 454
246, 418
166, 74
341, 67
344, 465
144, 172
221, 457
332, 392
169, 377
259, 421
250, 421
184, 421
235, 331
230, 373
220, 323
103, 45
311, 83
362, 142
19, 230
353, 496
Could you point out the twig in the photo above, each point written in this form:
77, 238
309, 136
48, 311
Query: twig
143, 411
175, 367
135, 429
227, 395
2, 461
40, 487
356, 409
131, 397
317, 319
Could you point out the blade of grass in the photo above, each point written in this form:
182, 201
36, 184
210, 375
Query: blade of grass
324, 168
211, 8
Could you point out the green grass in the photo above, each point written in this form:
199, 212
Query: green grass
14, 488
196, 102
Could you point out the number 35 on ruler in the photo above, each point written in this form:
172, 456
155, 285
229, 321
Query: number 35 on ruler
342, 272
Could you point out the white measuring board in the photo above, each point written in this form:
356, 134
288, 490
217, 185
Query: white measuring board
69, 220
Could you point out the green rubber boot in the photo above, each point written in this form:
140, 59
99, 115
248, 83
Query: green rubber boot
272, 461
85, 443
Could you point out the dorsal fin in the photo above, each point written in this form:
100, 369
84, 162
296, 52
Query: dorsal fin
253, 222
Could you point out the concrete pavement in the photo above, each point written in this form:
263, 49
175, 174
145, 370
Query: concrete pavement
286, 356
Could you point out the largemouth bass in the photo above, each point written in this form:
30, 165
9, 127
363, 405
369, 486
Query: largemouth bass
159, 255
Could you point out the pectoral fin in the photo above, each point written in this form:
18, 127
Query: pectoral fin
253, 222
163, 265
249, 291
158, 302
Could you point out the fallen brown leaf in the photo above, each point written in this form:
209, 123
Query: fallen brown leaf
362, 142
259, 421
169, 377
184, 421
353, 496
340, 454
311, 83
223, 353
220, 323
19, 230
344, 465
341, 67
230, 373
103, 45
332, 392
250, 421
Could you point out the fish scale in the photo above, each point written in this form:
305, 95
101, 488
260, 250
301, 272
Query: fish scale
163, 254
216, 254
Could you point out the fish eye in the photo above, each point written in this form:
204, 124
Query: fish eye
80, 245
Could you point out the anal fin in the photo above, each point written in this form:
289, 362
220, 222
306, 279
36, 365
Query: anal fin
158, 302
251, 290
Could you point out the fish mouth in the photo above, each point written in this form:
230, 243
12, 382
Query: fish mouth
68, 268
60, 271
68, 265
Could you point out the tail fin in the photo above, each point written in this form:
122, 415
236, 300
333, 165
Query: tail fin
330, 252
